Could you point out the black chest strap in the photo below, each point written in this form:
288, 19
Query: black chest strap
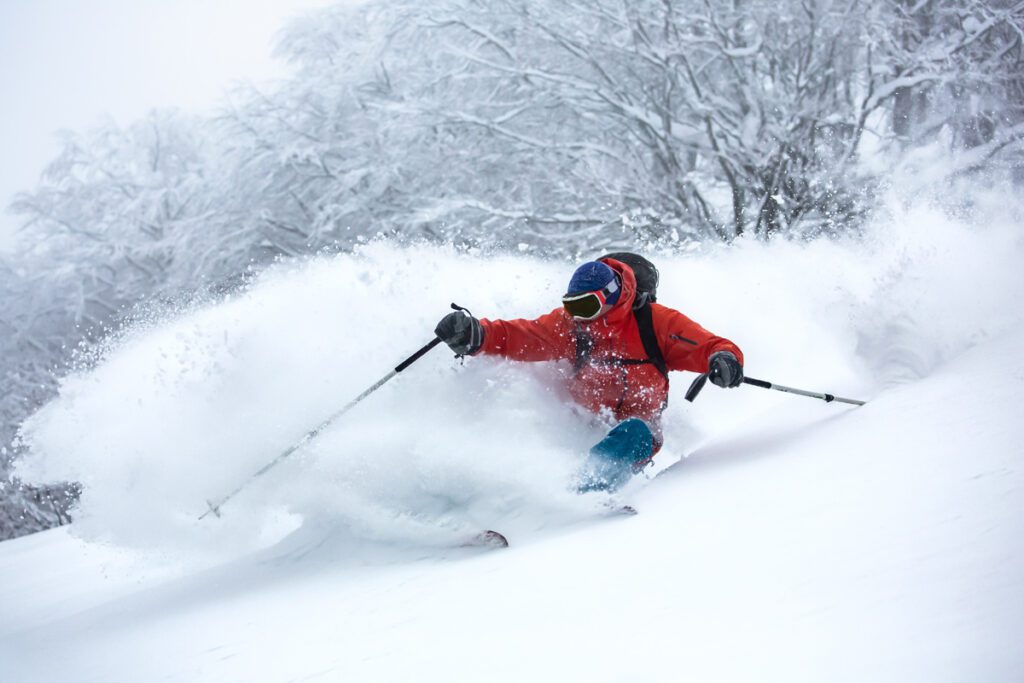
584, 346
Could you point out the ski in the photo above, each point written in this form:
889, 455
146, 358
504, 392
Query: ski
613, 508
487, 539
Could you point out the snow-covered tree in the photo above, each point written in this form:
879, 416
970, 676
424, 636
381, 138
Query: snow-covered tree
959, 67
33, 334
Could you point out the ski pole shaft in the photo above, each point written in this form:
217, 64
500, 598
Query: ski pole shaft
699, 382
828, 398
214, 506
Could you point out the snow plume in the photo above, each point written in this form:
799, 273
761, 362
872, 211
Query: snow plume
184, 410
938, 287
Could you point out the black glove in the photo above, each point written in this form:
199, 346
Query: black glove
461, 331
724, 370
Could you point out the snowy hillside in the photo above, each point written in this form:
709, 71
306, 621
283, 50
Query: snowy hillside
782, 539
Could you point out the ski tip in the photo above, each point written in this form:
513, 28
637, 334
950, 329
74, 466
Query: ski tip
487, 539
614, 509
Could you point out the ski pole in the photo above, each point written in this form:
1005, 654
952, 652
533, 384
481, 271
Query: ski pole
699, 382
215, 506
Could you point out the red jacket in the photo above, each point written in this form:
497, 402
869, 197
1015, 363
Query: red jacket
630, 390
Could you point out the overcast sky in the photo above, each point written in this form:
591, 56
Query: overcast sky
64, 64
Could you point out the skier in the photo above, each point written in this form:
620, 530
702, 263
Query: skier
621, 344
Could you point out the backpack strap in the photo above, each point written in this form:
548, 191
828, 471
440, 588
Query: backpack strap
645, 324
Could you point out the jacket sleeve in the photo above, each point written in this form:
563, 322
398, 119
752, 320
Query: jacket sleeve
548, 337
685, 344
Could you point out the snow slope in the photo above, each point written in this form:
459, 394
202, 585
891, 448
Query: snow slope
794, 540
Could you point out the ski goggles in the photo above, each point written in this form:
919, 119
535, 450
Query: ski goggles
589, 305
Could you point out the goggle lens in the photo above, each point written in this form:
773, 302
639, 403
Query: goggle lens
583, 306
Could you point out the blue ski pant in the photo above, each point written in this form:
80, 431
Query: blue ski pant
617, 457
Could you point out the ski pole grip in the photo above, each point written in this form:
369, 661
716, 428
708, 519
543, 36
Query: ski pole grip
695, 388
757, 382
